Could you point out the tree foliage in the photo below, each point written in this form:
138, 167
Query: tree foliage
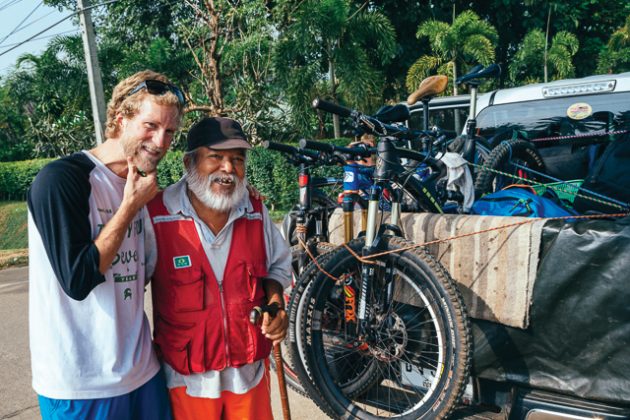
331, 49
528, 63
264, 61
467, 41
615, 57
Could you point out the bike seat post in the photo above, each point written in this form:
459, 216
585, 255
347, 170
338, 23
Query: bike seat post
471, 125
472, 112
425, 113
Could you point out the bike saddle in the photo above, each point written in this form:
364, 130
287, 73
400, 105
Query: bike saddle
392, 113
431, 86
479, 72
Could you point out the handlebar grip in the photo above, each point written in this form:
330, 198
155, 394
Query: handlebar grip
316, 145
280, 147
331, 107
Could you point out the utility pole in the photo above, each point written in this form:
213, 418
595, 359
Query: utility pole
93, 69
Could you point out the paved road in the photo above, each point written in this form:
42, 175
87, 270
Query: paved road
17, 399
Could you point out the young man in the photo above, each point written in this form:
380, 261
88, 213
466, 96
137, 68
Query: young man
217, 255
90, 341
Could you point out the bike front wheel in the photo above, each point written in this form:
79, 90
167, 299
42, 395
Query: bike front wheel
413, 358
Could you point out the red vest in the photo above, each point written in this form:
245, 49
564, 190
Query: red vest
198, 325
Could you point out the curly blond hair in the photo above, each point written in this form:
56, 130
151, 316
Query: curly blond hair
128, 106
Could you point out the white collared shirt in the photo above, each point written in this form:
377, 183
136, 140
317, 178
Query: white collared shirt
217, 247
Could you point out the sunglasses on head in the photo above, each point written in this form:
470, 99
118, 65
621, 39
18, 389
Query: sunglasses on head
155, 87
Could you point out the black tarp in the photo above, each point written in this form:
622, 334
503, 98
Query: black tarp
578, 341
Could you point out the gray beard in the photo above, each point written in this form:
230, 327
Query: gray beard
224, 203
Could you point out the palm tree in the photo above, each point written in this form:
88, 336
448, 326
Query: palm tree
615, 58
329, 48
530, 65
468, 40
52, 90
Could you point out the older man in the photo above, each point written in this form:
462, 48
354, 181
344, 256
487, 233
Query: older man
217, 256
91, 350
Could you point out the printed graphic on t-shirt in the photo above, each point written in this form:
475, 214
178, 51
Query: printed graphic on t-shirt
125, 264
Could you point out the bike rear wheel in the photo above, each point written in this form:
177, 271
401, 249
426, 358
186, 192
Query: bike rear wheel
414, 360
290, 349
504, 158
322, 208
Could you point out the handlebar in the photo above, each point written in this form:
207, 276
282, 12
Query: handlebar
331, 107
365, 122
295, 153
280, 147
349, 152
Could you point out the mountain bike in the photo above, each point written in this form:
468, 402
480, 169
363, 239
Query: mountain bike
387, 336
510, 157
310, 226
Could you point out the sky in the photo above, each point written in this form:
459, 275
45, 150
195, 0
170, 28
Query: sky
22, 19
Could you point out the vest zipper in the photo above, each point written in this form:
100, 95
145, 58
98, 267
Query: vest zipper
225, 326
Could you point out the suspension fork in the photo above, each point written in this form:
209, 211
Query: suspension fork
304, 206
367, 270
350, 200
347, 205
385, 303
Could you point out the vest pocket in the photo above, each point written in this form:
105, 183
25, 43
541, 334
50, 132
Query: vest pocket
187, 291
173, 346
247, 343
254, 273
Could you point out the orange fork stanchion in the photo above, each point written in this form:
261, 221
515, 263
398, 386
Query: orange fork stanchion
347, 205
255, 318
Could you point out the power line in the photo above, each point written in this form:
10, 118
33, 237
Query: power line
8, 4
53, 25
35, 21
47, 36
20, 24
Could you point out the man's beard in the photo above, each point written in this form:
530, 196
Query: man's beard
223, 202
143, 162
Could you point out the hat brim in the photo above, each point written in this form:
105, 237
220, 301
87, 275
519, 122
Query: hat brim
231, 144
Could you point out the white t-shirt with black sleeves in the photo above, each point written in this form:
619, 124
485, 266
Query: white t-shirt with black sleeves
89, 335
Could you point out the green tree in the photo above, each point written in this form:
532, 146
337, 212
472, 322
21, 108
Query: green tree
615, 57
51, 92
528, 64
333, 49
15, 145
231, 43
468, 40
591, 21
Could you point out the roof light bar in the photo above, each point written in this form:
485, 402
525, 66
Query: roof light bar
579, 89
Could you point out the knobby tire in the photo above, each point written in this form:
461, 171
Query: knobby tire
415, 360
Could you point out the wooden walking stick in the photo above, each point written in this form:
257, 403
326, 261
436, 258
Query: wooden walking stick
255, 318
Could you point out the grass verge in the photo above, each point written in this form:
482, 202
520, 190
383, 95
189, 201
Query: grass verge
13, 258
13, 234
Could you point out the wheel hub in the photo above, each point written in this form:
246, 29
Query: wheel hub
390, 338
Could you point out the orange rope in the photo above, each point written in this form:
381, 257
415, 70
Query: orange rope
515, 224
314, 259
368, 258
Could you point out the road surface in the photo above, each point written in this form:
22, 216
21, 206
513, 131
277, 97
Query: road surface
17, 399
